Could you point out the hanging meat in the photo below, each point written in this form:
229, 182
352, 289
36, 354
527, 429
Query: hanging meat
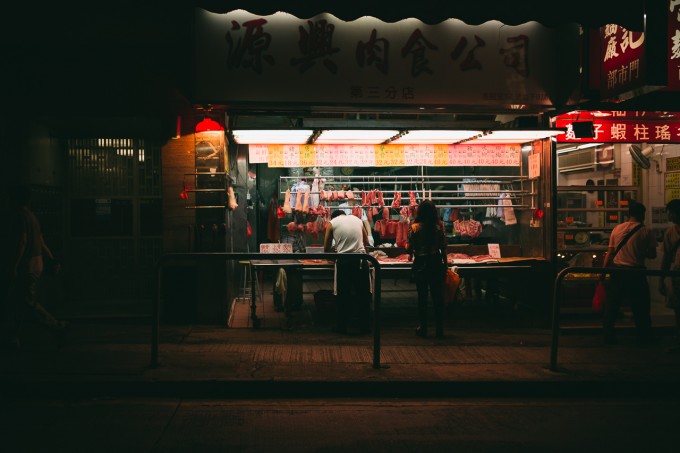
404, 213
286, 204
379, 198
231, 199
412, 199
396, 203
305, 204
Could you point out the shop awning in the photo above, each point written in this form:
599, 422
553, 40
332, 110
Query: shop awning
588, 13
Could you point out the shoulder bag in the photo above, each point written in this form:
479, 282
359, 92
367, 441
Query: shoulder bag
600, 295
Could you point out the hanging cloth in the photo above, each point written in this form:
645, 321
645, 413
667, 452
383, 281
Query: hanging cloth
508, 212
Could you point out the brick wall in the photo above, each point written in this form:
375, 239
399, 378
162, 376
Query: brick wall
177, 159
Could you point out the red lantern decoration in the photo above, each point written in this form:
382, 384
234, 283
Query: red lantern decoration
209, 125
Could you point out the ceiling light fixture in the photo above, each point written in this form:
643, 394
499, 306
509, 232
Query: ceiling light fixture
517, 136
434, 137
272, 136
355, 136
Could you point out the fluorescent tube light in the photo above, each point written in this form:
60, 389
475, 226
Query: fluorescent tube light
429, 137
354, 136
273, 137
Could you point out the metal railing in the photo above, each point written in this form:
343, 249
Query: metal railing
587, 270
165, 259
221, 257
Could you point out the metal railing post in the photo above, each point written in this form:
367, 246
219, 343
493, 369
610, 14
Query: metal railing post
162, 262
589, 270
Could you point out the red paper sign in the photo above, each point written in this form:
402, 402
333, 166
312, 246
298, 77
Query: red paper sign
673, 44
623, 62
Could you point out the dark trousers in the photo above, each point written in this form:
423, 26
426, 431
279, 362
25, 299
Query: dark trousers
635, 289
429, 274
20, 302
353, 294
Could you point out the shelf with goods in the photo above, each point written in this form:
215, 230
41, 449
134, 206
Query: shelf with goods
587, 214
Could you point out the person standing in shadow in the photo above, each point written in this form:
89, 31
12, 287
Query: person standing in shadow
630, 243
25, 250
427, 248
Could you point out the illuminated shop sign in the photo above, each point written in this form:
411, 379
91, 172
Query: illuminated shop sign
622, 60
623, 127
673, 44
242, 57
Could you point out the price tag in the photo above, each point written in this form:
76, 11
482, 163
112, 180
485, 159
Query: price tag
380, 157
495, 250
307, 156
441, 155
569, 219
624, 202
613, 218
275, 156
599, 202
258, 154
291, 156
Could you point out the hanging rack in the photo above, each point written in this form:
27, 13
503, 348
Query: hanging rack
420, 184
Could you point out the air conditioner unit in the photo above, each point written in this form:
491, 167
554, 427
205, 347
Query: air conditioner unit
578, 160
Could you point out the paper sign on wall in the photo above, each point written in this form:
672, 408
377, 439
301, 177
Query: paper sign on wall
534, 166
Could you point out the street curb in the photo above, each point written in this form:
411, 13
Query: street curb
234, 389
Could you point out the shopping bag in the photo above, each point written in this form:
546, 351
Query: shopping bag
451, 285
599, 297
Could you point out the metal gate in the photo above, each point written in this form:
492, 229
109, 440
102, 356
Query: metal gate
114, 219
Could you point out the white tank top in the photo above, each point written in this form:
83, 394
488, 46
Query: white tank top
347, 233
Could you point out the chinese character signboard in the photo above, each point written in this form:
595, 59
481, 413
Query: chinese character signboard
673, 44
242, 57
671, 185
623, 60
623, 127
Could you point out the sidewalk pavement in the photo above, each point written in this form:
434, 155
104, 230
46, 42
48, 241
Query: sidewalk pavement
113, 359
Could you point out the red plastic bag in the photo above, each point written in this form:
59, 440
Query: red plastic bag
451, 284
599, 297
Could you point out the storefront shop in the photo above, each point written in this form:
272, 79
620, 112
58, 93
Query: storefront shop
611, 155
336, 65
631, 156
308, 116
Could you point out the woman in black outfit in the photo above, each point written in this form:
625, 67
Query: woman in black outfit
427, 248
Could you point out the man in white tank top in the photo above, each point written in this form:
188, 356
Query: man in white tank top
628, 286
351, 275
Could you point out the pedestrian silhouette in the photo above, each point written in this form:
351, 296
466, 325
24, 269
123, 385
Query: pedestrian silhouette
25, 249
